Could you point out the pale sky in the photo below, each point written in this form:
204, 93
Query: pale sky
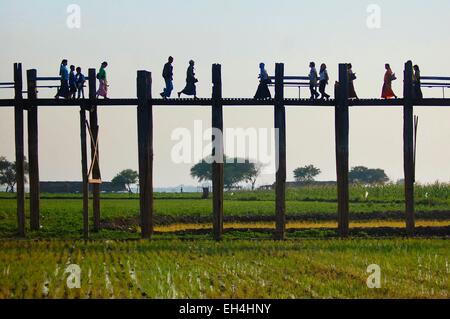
137, 34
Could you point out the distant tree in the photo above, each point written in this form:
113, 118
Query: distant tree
125, 179
202, 171
235, 172
306, 173
254, 171
364, 175
8, 173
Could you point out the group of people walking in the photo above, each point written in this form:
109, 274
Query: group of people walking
315, 80
389, 76
320, 80
191, 80
73, 82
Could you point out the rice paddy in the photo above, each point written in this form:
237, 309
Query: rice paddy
183, 262
410, 268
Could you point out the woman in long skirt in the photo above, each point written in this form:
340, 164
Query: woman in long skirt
101, 76
351, 86
263, 87
323, 81
64, 74
190, 88
389, 76
417, 83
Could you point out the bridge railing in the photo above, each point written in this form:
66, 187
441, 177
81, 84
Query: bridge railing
442, 82
293, 81
51, 78
6, 85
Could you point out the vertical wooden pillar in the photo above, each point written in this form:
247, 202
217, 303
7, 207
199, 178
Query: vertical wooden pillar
217, 152
280, 140
20, 171
84, 172
93, 122
408, 146
145, 150
342, 141
33, 151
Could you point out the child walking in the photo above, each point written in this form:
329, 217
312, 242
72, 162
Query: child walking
80, 79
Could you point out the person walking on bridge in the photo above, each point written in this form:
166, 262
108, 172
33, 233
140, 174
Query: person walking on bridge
351, 86
313, 81
63, 90
323, 81
72, 82
263, 91
80, 80
417, 83
101, 76
168, 78
190, 88
389, 76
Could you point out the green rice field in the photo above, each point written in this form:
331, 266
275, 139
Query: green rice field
182, 260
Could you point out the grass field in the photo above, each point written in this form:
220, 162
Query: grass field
183, 262
377, 206
410, 268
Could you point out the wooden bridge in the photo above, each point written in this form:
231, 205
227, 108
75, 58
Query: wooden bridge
145, 103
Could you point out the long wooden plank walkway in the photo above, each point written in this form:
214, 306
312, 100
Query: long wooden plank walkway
438, 102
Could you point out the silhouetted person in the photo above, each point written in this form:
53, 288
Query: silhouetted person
101, 76
72, 82
80, 79
389, 76
417, 83
168, 78
64, 74
190, 88
351, 86
263, 91
323, 81
313, 81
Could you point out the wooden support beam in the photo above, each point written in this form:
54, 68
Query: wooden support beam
33, 151
280, 140
20, 158
408, 146
145, 151
93, 122
342, 141
217, 152
84, 173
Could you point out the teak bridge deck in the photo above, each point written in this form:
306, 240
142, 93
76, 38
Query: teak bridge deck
145, 103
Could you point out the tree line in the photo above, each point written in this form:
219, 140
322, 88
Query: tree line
357, 175
236, 172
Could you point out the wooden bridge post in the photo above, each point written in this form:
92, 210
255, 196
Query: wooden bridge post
408, 146
280, 140
342, 141
145, 150
33, 151
20, 166
217, 151
84, 173
93, 121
